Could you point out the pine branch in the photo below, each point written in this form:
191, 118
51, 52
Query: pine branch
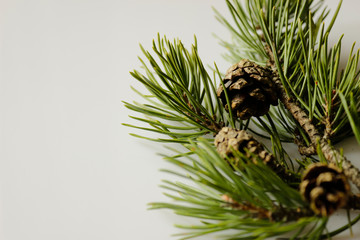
181, 100
331, 154
249, 196
276, 43
309, 69
275, 215
252, 197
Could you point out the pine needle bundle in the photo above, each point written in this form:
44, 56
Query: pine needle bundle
284, 83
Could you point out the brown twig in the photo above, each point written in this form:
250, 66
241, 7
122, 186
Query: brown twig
211, 124
305, 150
332, 155
327, 122
279, 213
275, 215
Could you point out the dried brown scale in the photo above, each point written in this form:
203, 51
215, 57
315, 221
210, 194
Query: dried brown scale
325, 187
328, 125
250, 90
212, 125
253, 211
275, 215
229, 140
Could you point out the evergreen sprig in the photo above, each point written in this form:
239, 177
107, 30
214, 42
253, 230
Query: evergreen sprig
296, 42
352, 110
289, 37
185, 92
250, 201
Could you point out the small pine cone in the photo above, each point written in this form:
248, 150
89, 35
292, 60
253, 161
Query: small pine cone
229, 139
325, 187
250, 90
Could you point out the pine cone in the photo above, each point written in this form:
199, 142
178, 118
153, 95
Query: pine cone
229, 139
250, 90
325, 187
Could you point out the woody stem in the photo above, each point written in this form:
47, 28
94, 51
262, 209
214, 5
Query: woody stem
332, 155
276, 214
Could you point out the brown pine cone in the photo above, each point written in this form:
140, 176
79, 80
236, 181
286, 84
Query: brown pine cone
250, 90
325, 187
229, 139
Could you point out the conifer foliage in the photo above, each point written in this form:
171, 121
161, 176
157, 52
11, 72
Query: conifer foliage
285, 84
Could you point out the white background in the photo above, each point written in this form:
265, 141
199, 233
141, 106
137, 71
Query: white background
69, 169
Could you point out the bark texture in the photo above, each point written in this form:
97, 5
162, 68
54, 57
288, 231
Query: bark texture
332, 155
276, 214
